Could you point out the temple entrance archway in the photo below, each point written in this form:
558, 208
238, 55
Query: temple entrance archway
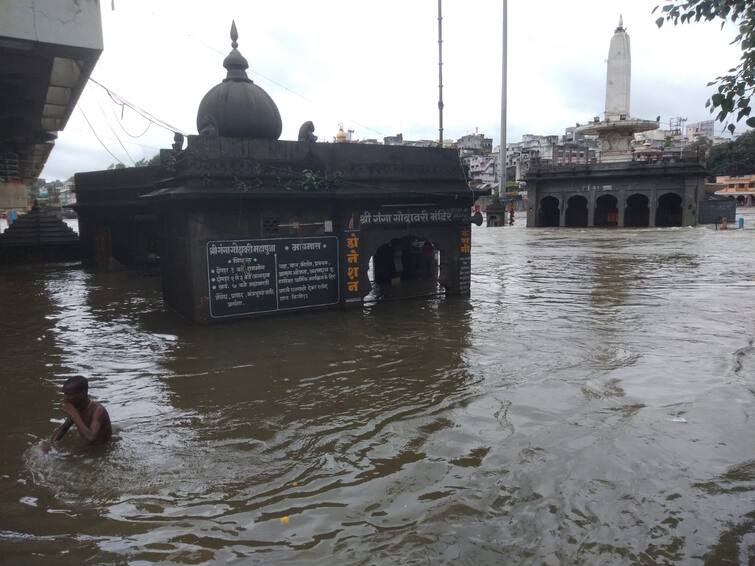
549, 213
408, 266
606, 211
637, 212
576, 211
669, 212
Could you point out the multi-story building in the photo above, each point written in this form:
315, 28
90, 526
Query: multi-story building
474, 144
481, 169
571, 148
741, 188
704, 129
67, 196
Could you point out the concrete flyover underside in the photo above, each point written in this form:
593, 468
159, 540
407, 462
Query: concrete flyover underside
48, 49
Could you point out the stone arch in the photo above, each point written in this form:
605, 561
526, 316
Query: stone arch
637, 211
408, 258
606, 211
549, 212
399, 264
669, 211
576, 211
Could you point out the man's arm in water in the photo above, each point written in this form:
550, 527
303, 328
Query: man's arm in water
90, 434
61, 431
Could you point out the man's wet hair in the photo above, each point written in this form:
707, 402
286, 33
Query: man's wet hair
77, 383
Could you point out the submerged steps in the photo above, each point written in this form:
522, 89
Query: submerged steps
39, 236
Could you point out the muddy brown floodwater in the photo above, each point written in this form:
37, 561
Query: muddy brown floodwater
592, 402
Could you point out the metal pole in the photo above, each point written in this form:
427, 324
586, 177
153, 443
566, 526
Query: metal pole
440, 75
502, 153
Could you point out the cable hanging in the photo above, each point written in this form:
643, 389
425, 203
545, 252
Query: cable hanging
143, 113
98, 137
116, 135
120, 123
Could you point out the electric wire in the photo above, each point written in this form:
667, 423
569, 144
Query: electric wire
144, 113
96, 136
121, 101
120, 123
72, 128
122, 106
116, 135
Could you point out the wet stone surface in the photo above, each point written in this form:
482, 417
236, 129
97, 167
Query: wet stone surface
591, 403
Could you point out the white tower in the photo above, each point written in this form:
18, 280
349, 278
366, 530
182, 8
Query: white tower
617, 129
619, 75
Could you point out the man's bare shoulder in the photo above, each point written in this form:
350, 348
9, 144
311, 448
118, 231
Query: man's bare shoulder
99, 410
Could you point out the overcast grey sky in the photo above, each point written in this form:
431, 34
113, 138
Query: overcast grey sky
374, 67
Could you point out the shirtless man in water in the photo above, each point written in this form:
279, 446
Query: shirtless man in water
91, 418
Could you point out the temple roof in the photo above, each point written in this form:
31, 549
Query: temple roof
237, 107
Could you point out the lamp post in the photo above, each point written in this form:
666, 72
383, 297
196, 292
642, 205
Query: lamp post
440, 75
495, 211
504, 58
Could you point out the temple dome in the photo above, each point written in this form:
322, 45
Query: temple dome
237, 107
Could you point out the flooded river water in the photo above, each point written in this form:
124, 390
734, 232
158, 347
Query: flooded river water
592, 402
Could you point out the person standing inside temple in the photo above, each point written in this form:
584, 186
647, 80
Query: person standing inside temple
11, 217
91, 418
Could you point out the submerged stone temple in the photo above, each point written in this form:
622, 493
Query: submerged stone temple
619, 190
246, 224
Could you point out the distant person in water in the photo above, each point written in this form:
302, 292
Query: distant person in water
91, 418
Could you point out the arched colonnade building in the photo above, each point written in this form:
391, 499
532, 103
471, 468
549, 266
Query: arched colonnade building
626, 194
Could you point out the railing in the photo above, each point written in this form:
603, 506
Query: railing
697, 158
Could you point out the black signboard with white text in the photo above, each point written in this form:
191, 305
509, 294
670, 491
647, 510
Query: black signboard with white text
257, 276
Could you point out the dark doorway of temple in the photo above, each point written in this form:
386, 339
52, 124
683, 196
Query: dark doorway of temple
637, 213
606, 211
669, 211
549, 213
576, 211
405, 267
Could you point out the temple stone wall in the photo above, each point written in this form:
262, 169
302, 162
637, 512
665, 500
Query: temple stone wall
188, 232
654, 182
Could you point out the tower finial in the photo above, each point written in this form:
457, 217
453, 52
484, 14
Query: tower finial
234, 35
621, 21
235, 62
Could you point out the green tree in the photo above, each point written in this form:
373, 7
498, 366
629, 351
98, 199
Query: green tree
736, 88
733, 158
144, 162
700, 147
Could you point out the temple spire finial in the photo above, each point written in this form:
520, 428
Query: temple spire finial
621, 21
235, 62
234, 35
